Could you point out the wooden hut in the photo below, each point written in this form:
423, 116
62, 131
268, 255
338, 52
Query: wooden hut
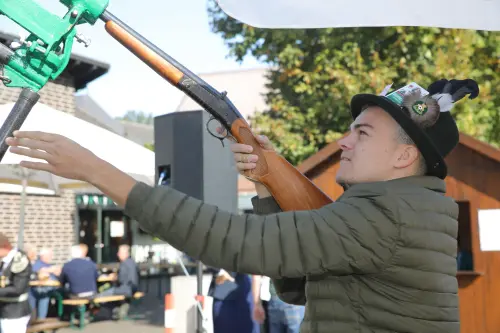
474, 182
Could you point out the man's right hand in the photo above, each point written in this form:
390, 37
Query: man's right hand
245, 160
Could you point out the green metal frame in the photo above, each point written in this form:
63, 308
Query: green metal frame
46, 52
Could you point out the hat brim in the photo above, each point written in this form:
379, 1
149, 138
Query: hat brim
436, 165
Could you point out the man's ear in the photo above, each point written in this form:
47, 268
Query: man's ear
406, 156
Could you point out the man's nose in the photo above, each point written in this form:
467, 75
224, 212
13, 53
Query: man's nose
347, 142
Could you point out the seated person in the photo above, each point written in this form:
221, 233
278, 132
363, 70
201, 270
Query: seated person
42, 270
127, 280
128, 275
81, 274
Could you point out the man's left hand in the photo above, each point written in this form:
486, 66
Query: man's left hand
64, 157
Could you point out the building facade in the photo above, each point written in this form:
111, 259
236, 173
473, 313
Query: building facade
49, 219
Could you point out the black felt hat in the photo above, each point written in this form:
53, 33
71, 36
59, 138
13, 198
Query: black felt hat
425, 116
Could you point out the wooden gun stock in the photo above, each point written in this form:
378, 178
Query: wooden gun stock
291, 189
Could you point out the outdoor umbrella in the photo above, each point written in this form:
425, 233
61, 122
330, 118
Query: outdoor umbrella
303, 14
126, 155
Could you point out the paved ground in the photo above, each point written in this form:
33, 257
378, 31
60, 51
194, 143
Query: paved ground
148, 318
116, 327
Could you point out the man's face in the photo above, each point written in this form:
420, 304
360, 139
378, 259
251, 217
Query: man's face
370, 151
122, 254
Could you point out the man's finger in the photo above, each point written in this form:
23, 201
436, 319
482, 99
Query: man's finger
28, 143
241, 148
245, 166
36, 135
34, 153
37, 166
245, 158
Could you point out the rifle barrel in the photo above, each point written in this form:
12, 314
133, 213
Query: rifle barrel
107, 16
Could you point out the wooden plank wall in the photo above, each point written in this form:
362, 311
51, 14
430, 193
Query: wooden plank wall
474, 180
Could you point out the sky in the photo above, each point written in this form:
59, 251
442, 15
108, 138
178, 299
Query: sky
178, 27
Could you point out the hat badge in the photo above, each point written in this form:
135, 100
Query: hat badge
420, 108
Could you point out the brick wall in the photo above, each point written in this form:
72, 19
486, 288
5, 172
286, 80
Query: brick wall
58, 94
48, 221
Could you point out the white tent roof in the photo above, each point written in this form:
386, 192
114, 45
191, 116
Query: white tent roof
119, 151
303, 14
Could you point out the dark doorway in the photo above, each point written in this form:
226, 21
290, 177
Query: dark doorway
464, 248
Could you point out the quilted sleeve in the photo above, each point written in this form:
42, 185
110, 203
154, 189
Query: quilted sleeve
289, 290
341, 238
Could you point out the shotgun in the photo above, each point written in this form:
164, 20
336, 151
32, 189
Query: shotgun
291, 189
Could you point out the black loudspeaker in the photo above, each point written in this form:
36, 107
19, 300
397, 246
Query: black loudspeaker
190, 160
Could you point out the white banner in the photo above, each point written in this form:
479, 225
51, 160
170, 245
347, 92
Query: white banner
459, 14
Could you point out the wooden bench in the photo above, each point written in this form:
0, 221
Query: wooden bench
46, 325
108, 299
81, 305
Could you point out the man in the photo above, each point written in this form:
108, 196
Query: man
233, 297
381, 258
44, 269
80, 273
128, 275
127, 280
15, 311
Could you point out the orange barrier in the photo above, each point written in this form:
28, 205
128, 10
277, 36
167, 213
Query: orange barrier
169, 313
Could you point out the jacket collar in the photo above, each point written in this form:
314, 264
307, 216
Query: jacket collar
401, 185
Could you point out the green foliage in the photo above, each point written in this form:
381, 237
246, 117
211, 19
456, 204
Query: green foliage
315, 73
139, 117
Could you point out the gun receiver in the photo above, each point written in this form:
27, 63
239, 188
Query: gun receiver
47, 50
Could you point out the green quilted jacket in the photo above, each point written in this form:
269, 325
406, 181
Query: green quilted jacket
382, 258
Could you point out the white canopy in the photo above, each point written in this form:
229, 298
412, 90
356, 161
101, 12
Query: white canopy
124, 154
458, 14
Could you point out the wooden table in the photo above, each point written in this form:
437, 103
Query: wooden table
45, 283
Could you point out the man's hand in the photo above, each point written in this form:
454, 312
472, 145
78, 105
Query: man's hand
68, 159
259, 315
64, 157
245, 160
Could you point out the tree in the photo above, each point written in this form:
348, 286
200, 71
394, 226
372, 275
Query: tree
315, 73
138, 117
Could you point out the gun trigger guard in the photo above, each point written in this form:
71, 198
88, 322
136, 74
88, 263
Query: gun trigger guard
221, 138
